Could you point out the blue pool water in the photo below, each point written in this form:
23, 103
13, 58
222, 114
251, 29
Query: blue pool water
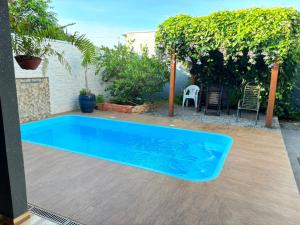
185, 154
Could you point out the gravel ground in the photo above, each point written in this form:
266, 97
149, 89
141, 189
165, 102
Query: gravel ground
190, 114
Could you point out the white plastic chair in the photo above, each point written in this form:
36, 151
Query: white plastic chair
191, 92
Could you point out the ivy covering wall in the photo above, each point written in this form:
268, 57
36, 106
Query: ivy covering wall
235, 47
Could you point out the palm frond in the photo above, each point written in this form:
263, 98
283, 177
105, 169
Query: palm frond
86, 47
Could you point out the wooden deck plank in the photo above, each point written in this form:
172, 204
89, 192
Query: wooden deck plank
256, 185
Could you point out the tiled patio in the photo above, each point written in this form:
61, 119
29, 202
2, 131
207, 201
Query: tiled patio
256, 185
291, 134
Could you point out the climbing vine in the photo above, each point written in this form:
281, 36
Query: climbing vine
237, 46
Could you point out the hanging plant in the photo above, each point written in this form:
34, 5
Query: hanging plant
34, 27
30, 50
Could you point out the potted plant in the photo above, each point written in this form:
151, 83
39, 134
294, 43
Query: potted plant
87, 100
30, 50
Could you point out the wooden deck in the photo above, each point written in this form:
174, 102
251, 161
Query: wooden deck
37, 220
256, 185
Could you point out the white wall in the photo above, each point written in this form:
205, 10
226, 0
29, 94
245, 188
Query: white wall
147, 39
64, 87
140, 40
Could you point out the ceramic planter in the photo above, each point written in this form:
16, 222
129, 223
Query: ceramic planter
28, 62
87, 103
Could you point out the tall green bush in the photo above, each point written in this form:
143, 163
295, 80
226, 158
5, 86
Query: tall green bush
233, 47
132, 78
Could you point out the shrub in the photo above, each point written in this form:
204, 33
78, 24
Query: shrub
133, 78
100, 99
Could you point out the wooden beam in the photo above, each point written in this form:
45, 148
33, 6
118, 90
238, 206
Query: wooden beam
15, 221
272, 95
172, 84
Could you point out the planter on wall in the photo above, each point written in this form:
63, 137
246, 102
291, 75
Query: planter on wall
87, 103
124, 108
28, 62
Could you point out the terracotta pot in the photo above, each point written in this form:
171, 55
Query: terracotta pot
28, 62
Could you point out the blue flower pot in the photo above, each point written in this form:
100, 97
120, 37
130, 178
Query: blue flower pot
87, 103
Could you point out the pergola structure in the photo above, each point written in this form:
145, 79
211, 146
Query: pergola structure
272, 93
245, 41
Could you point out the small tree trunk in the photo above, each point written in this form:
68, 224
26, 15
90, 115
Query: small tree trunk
172, 84
85, 77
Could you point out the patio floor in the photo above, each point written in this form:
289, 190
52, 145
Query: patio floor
190, 114
291, 134
256, 185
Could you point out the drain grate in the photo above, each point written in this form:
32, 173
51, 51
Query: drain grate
51, 216
48, 215
29, 207
72, 223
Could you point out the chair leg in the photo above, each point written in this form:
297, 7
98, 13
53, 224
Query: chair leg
199, 102
219, 110
228, 109
257, 116
183, 101
237, 115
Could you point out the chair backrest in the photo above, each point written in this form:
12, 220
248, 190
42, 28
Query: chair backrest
214, 95
251, 96
191, 90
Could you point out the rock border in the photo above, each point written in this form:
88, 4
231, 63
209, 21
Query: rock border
124, 108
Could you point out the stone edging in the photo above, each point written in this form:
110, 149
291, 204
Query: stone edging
124, 108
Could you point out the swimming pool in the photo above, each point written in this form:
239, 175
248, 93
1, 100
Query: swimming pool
185, 154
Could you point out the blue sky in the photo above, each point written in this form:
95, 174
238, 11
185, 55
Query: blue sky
104, 21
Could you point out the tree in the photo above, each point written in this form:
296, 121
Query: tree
27, 16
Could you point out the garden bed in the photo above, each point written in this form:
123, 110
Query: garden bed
124, 108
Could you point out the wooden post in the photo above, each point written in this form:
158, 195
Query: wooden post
172, 84
193, 79
272, 95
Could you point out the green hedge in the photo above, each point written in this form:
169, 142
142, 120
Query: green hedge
235, 47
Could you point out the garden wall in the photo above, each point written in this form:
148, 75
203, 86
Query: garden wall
33, 98
63, 86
